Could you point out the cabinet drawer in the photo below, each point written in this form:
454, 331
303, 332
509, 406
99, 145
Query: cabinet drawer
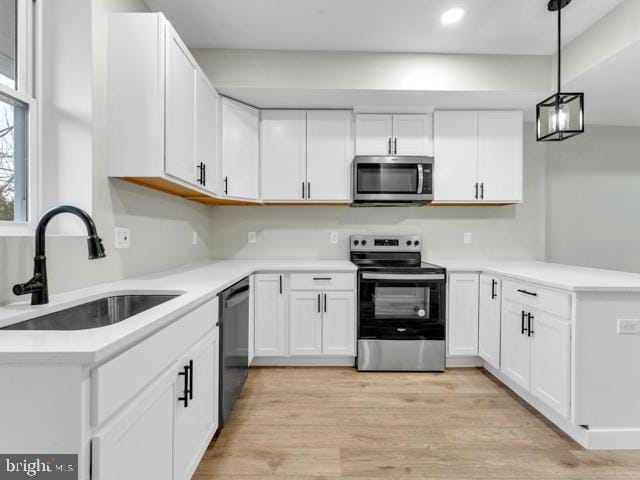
322, 281
551, 301
119, 380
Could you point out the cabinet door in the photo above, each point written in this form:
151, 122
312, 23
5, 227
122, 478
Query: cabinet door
269, 314
463, 314
455, 172
240, 150
207, 126
413, 134
338, 324
197, 421
329, 155
515, 346
180, 110
500, 153
373, 134
140, 443
305, 323
489, 320
550, 361
283, 143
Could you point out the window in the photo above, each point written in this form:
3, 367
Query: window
16, 104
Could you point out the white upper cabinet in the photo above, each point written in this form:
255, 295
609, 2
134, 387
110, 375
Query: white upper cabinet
240, 149
180, 112
306, 156
413, 134
500, 152
478, 156
283, 138
373, 134
207, 131
455, 173
329, 155
394, 134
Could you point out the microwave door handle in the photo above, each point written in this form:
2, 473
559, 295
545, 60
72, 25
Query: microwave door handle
420, 179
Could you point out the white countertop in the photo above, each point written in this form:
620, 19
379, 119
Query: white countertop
566, 277
196, 284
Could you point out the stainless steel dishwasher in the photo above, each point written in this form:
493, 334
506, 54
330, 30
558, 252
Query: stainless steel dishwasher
234, 347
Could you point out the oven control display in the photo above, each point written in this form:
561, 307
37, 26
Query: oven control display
385, 242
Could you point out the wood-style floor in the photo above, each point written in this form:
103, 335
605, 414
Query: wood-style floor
317, 423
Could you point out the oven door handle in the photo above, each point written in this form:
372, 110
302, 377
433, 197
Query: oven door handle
398, 276
420, 179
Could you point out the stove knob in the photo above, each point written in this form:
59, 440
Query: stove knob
364, 242
416, 243
356, 242
408, 243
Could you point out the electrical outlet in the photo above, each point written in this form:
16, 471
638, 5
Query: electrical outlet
334, 237
628, 326
467, 238
194, 238
122, 237
251, 237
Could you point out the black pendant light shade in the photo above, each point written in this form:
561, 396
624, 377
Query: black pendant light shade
560, 116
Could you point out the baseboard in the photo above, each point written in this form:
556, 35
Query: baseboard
464, 361
307, 361
614, 439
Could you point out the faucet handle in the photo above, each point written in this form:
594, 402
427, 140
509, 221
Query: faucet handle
96, 248
34, 284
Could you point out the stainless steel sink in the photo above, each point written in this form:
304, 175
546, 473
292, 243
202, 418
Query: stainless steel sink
98, 313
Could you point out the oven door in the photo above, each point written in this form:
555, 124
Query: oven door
401, 306
391, 179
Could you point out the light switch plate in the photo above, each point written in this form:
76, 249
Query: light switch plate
251, 237
334, 237
628, 326
467, 238
194, 238
122, 237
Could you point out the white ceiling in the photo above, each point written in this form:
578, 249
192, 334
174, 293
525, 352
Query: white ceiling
489, 26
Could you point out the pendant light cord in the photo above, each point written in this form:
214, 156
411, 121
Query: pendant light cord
559, 44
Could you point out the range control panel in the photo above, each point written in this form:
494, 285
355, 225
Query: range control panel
386, 243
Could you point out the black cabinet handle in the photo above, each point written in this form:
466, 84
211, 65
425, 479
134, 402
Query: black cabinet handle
533, 294
280, 284
226, 185
477, 190
308, 190
199, 179
529, 324
204, 174
395, 146
482, 191
522, 329
389, 147
322, 278
325, 303
319, 308
302, 189
185, 388
493, 289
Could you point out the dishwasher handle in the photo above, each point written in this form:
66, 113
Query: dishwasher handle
237, 297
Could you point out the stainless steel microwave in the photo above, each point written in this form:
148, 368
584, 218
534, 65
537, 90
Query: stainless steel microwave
392, 180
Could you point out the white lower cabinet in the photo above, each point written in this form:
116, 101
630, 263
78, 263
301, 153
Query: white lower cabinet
463, 314
163, 429
196, 416
270, 315
305, 323
338, 327
489, 320
516, 346
551, 361
304, 314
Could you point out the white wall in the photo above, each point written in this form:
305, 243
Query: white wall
593, 199
161, 225
515, 232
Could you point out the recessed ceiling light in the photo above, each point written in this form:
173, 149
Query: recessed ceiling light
453, 15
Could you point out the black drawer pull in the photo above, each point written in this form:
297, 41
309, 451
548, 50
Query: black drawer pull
322, 278
533, 294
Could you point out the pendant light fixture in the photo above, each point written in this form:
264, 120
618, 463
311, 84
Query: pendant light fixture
560, 116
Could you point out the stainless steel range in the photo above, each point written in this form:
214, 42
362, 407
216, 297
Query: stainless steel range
401, 307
